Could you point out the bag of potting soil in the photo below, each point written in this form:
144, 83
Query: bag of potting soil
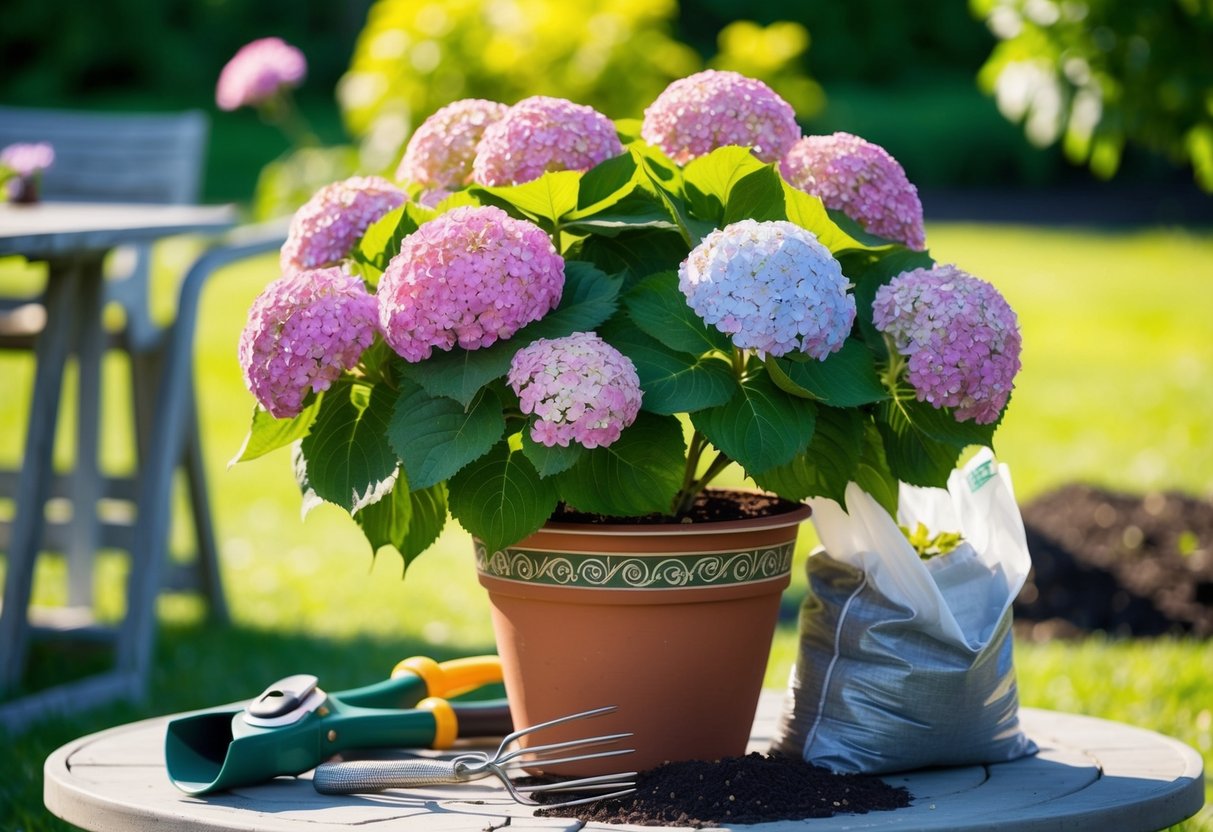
905, 662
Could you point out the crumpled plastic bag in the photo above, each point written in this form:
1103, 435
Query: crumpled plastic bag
905, 663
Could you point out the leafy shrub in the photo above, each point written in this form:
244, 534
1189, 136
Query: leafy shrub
1099, 74
412, 58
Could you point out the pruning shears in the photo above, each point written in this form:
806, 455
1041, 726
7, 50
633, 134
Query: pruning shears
294, 725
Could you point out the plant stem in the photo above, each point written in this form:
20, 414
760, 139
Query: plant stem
692, 486
280, 111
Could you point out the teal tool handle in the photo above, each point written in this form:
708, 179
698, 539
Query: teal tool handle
418, 677
436, 723
372, 728
403, 691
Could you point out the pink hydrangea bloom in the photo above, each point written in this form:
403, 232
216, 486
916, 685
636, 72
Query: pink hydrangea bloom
579, 388
303, 330
541, 134
440, 153
257, 72
325, 228
770, 286
28, 158
714, 108
470, 277
860, 179
960, 337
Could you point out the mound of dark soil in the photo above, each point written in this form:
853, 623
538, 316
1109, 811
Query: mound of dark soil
1124, 564
750, 789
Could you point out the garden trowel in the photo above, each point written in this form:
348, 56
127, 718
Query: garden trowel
294, 725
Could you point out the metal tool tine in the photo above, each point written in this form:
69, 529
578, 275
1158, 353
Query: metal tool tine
551, 723
601, 781
514, 757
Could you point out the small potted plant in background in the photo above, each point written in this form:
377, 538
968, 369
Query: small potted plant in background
560, 330
21, 167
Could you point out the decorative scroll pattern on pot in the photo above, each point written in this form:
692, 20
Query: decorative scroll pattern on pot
633, 571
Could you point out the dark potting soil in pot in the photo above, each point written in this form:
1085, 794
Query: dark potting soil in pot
750, 789
709, 507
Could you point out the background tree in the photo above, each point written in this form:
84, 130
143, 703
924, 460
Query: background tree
412, 58
1101, 74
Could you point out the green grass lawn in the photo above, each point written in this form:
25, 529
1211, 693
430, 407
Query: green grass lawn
1117, 390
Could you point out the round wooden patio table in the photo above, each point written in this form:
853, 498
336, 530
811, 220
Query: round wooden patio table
1090, 774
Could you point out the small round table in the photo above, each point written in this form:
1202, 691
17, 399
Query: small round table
1090, 774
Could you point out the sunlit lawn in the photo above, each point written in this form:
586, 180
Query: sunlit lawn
1117, 389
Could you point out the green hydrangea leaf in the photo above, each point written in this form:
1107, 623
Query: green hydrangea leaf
408, 521
659, 308
639, 473
435, 436
549, 461
605, 184
922, 444
807, 211
634, 254
758, 195
846, 378
347, 452
269, 434
666, 181
500, 498
381, 240
710, 179
873, 474
760, 427
672, 381
827, 465
543, 201
636, 210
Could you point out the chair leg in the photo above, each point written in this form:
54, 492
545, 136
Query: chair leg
146, 368
86, 485
34, 480
207, 555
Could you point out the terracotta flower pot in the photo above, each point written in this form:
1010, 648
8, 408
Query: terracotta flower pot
671, 624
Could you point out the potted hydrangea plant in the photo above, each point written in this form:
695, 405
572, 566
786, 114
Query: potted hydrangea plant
560, 329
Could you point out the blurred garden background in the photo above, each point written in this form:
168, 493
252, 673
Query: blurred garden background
1063, 152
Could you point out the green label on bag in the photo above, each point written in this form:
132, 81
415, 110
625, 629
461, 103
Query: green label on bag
981, 475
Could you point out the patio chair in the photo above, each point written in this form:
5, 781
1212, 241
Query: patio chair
147, 158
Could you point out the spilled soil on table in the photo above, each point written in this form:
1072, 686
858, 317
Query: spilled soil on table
750, 789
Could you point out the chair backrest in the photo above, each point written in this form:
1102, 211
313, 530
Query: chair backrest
152, 157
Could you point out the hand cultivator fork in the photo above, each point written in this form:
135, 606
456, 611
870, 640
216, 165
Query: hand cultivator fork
375, 775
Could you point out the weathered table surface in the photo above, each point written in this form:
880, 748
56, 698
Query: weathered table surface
1090, 774
55, 229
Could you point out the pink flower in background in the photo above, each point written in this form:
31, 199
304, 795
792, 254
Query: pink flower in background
440, 153
860, 179
303, 330
960, 337
541, 134
714, 108
28, 158
579, 388
327, 226
770, 286
469, 277
257, 72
